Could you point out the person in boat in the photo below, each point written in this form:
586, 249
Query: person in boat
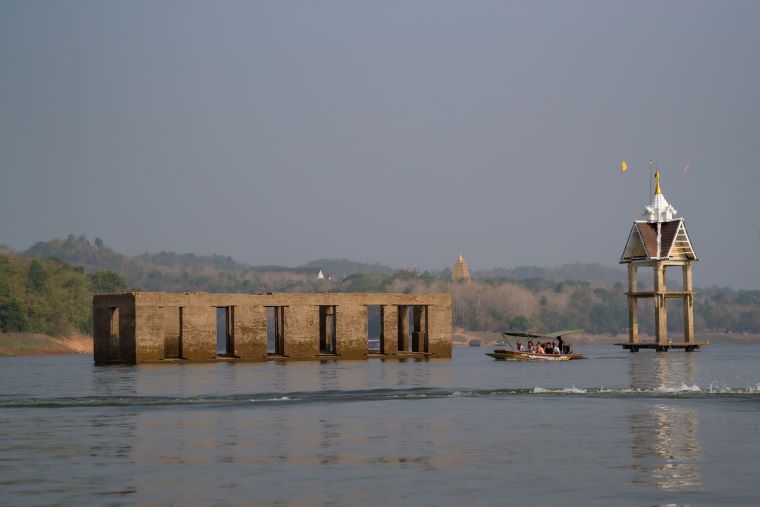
520, 347
563, 347
531, 348
555, 348
540, 349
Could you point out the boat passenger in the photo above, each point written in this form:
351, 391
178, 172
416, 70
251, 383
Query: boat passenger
520, 347
555, 348
540, 349
531, 348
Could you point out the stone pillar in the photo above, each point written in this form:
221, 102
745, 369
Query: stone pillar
390, 329
101, 332
199, 333
403, 328
351, 331
633, 308
250, 332
660, 306
301, 334
149, 330
439, 328
688, 305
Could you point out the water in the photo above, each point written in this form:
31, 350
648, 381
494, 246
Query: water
618, 429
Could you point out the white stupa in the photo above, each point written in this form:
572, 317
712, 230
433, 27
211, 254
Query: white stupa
659, 210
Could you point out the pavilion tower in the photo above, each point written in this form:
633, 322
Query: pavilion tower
461, 272
659, 241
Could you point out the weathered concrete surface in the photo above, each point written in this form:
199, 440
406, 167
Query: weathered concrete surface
351, 331
198, 333
145, 334
250, 327
123, 347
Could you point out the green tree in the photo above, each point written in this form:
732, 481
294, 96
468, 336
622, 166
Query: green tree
107, 282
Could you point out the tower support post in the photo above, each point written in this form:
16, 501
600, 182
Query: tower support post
633, 307
688, 305
660, 304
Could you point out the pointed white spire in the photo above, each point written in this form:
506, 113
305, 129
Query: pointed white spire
659, 210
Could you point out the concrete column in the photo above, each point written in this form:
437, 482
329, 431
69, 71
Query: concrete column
250, 332
403, 328
390, 329
199, 333
688, 305
101, 333
439, 328
660, 306
149, 330
633, 309
128, 332
351, 331
301, 331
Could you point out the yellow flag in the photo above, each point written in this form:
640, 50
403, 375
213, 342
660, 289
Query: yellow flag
623, 166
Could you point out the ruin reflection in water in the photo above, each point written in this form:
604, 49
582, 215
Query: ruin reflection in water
665, 436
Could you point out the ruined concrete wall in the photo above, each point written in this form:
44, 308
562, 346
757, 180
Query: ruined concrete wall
149, 333
122, 349
439, 328
198, 332
250, 332
301, 330
351, 331
142, 321
390, 329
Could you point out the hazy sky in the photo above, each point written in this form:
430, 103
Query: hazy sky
397, 132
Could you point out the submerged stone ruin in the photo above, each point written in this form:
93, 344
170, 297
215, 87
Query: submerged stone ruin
144, 327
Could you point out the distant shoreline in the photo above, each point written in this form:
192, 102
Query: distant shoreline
35, 344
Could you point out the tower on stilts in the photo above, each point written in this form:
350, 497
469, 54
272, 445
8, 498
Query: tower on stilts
660, 241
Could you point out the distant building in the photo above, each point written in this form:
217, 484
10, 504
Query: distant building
461, 272
316, 273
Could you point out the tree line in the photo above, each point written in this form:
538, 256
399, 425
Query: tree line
49, 290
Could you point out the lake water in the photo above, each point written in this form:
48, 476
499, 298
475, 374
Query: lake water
618, 429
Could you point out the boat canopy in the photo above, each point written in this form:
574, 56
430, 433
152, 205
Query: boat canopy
546, 335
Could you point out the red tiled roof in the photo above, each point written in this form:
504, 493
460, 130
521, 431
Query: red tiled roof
648, 233
668, 234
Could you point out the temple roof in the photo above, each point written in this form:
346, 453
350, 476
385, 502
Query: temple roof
461, 271
660, 237
658, 241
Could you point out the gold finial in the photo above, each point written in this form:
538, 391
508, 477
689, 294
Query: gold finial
657, 190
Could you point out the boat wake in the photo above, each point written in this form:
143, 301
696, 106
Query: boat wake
372, 395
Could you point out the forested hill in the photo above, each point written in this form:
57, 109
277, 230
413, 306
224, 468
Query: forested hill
169, 271
45, 294
48, 295
579, 272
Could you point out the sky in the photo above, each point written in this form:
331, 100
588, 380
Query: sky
399, 132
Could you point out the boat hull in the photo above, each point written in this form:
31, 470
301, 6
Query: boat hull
511, 355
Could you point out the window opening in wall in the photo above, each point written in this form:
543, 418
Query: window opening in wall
172, 332
114, 351
375, 338
327, 330
418, 326
276, 330
225, 343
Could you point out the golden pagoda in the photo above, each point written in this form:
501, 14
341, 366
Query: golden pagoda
461, 272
